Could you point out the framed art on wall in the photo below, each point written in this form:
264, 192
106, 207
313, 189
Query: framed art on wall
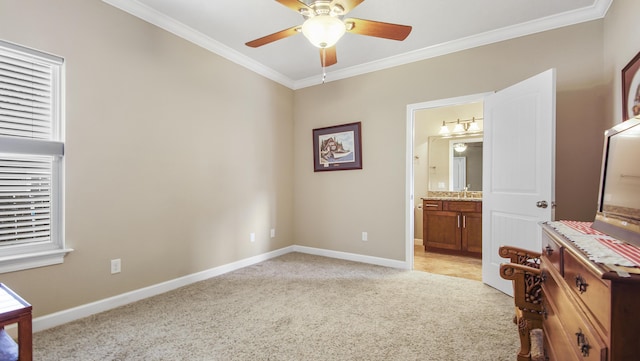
631, 89
337, 148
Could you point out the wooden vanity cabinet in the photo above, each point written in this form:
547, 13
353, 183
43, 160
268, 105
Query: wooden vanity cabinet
472, 231
452, 225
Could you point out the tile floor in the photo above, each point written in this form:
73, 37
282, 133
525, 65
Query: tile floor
447, 264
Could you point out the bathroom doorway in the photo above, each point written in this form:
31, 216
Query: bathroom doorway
510, 199
434, 159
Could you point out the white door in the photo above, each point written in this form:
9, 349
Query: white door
519, 149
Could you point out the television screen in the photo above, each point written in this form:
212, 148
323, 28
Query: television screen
619, 198
622, 180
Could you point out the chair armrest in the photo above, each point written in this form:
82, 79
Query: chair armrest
520, 256
510, 271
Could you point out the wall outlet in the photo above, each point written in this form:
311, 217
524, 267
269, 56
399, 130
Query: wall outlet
273, 232
116, 265
252, 236
364, 236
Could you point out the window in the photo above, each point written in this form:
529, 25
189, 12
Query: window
31, 159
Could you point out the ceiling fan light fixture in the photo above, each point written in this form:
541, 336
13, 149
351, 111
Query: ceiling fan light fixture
323, 31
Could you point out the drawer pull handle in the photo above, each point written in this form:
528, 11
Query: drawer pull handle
582, 343
549, 250
431, 205
581, 284
544, 312
543, 277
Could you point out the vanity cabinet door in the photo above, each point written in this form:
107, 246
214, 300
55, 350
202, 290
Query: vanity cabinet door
472, 232
442, 230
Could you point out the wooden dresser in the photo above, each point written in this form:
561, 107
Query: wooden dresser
590, 311
453, 225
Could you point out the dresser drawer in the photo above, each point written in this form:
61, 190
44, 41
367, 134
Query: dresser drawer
590, 289
556, 346
569, 335
463, 206
431, 205
552, 251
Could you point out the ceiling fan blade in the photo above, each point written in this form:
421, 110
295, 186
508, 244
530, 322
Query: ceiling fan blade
295, 5
377, 29
328, 56
347, 5
273, 37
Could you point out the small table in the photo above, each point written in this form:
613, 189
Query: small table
13, 309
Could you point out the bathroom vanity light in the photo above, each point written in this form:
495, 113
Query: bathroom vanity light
461, 126
444, 129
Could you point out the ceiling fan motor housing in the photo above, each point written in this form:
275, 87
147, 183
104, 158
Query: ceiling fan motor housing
321, 8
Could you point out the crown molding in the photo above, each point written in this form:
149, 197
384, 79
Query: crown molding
597, 11
162, 21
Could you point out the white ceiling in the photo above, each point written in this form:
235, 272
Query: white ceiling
439, 27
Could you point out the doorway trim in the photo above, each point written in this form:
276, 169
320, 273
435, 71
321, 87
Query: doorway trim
409, 186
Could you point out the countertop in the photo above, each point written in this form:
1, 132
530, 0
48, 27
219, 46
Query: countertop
468, 199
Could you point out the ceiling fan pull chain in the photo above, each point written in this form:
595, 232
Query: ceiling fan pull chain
324, 61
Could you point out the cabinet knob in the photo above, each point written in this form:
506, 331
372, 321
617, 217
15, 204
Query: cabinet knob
549, 250
581, 284
582, 343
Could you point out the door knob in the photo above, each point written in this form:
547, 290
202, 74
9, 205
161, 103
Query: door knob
542, 204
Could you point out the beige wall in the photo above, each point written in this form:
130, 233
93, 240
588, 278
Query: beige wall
333, 208
174, 155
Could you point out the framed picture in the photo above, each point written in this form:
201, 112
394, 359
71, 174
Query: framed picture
631, 89
337, 148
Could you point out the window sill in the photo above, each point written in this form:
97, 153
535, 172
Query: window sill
32, 260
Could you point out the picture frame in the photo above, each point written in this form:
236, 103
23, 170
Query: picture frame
337, 147
631, 89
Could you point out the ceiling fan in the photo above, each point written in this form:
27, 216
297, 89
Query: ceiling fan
325, 24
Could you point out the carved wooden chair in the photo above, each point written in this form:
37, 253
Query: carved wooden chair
524, 270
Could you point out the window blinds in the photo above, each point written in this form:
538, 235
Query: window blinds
25, 98
25, 199
27, 134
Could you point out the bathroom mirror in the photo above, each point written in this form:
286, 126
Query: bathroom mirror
451, 169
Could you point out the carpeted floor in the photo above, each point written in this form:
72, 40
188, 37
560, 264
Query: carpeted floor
300, 307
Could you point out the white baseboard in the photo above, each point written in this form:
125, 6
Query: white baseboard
352, 257
75, 313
